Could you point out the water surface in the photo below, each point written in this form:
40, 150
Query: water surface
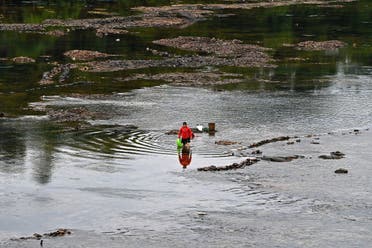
118, 181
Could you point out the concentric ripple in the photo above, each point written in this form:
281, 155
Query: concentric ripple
111, 143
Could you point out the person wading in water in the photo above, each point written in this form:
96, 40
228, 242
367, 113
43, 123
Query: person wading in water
186, 134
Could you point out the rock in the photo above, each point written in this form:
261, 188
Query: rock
337, 153
71, 114
2, 114
341, 171
226, 142
235, 51
333, 155
86, 55
59, 232
189, 78
267, 141
56, 33
172, 132
37, 236
234, 166
256, 152
23, 60
280, 158
63, 71
104, 31
321, 45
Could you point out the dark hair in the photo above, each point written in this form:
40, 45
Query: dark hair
184, 123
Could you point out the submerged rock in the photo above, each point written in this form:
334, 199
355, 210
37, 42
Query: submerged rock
320, 45
281, 158
37, 236
267, 141
226, 142
50, 77
86, 55
235, 50
71, 115
341, 171
59, 232
23, 60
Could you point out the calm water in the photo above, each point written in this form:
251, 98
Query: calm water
116, 185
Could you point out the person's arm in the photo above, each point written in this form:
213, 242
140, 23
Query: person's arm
191, 134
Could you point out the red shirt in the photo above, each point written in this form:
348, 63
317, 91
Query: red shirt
185, 132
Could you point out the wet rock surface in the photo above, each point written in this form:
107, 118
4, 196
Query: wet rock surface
234, 166
333, 155
281, 158
59, 232
23, 60
226, 142
320, 45
341, 171
193, 61
190, 78
222, 48
267, 141
234, 50
86, 55
58, 73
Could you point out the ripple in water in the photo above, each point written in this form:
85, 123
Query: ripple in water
124, 144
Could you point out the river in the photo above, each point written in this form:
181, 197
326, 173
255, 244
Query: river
116, 181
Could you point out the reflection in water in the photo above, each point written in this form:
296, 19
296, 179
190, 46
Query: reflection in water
28, 146
184, 155
41, 146
12, 149
42, 160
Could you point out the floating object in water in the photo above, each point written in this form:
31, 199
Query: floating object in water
199, 127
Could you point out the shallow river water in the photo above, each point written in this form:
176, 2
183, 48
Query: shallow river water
114, 185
